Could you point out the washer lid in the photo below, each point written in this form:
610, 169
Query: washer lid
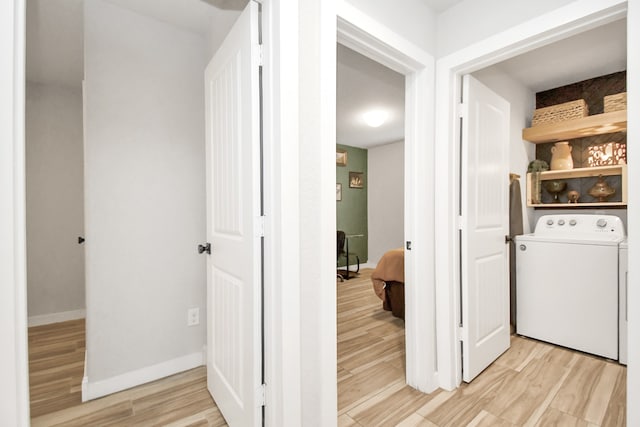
576, 239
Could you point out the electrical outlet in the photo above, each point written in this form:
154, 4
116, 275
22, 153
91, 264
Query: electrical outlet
193, 316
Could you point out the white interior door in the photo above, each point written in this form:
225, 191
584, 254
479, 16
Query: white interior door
234, 317
485, 223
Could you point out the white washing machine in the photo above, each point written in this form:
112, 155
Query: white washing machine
567, 282
622, 275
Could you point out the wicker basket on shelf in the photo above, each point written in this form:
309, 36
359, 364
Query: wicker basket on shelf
560, 113
615, 102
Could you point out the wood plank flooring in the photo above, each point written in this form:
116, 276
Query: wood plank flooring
532, 384
56, 367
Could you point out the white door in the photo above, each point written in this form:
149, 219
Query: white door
234, 314
485, 223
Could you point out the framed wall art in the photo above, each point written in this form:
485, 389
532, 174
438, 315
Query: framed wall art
356, 180
341, 157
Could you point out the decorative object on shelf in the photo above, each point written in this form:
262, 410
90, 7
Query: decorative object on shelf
609, 153
573, 196
341, 157
338, 192
615, 102
555, 187
601, 190
356, 180
535, 167
561, 156
560, 113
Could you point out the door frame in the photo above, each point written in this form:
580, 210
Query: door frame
14, 390
563, 22
358, 32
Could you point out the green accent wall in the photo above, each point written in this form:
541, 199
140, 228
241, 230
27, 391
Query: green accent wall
351, 211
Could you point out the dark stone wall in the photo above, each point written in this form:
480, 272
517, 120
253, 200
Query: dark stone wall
593, 92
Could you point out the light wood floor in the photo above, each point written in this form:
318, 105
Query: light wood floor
56, 367
532, 384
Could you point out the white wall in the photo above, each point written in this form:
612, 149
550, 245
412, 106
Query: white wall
14, 386
470, 20
385, 198
145, 209
55, 199
633, 229
522, 101
413, 20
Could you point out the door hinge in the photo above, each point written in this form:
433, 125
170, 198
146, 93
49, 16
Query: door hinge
261, 226
460, 222
460, 110
262, 395
259, 52
460, 333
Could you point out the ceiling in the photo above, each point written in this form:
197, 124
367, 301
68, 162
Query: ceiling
440, 5
594, 53
364, 85
55, 55
55, 33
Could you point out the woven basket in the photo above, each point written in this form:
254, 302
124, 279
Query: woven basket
615, 102
560, 113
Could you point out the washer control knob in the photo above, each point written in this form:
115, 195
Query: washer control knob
561, 222
549, 222
573, 222
523, 247
601, 223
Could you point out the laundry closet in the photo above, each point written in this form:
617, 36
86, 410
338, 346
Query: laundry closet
587, 195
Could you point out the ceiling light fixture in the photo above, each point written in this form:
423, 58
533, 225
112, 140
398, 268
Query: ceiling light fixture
375, 118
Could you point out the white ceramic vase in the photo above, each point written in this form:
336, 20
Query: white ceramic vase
561, 156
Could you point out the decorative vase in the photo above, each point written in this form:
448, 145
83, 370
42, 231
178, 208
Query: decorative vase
573, 196
554, 188
561, 156
601, 190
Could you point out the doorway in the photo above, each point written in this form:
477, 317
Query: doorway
417, 67
144, 204
370, 211
475, 62
54, 163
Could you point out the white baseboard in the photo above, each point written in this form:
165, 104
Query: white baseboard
94, 390
45, 319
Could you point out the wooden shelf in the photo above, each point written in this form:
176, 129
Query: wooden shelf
578, 205
597, 124
584, 172
614, 170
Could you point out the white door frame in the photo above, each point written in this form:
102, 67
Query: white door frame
568, 20
14, 387
358, 32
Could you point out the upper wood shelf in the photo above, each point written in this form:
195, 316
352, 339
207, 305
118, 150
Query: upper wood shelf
584, 172
597, 124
